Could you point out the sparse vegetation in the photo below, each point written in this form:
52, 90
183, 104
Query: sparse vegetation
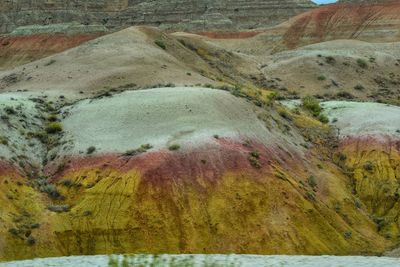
330, 60
169, 261
321, 78
323, 118
341, 156
10, 110
90, 150
31, 241
312, 181
348, 235
254, 159
51, 191
362, 63
53, 128
174, 147
3, 140
368, 166
310, 195
160, 44
59, 208
359, 87
142, 149
312, 104
52, 118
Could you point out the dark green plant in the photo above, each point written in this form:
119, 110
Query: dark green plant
362, 63
330, 60
312, 181
174, 147
90, 150
348, 235
312, 104
160, 44
53, 128
323, 118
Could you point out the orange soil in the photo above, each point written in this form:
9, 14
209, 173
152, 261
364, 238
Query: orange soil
17, 50
342, 21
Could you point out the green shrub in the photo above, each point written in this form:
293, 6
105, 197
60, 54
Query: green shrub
341, 156
51, 191
90, 150
312, 181
362, 63
330, 60
368, 166
3, 140
52, 118
255, 162
254, 159
255, 154
59, 208
310, 196
323, 118
53, 128
312, 104
348, 235
321, 78
359, 87
31, 241
10, 110
14, 231
160, 44
174, 147
145, 147
141, 149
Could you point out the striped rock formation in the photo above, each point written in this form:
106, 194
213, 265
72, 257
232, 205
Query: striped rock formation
177, 14
175, 170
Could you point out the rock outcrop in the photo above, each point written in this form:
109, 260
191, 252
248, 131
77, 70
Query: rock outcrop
368, 22
174, 15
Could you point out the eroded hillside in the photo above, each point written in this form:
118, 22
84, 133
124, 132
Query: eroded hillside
143, 141
183, 170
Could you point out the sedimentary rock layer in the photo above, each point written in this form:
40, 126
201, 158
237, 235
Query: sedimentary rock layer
177, 14
368, 22
183, 170
370, 150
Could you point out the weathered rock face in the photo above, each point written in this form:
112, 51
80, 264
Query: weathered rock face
367, 22
176, 14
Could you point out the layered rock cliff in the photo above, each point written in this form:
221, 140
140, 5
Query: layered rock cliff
176, 14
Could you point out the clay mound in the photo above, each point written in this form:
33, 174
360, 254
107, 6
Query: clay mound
327, 70
132, 58
367, 22
21, 49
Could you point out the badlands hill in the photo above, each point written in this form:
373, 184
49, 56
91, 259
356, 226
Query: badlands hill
173, 14
143, 57
192, 170
145, 141
95, 161
375, 21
